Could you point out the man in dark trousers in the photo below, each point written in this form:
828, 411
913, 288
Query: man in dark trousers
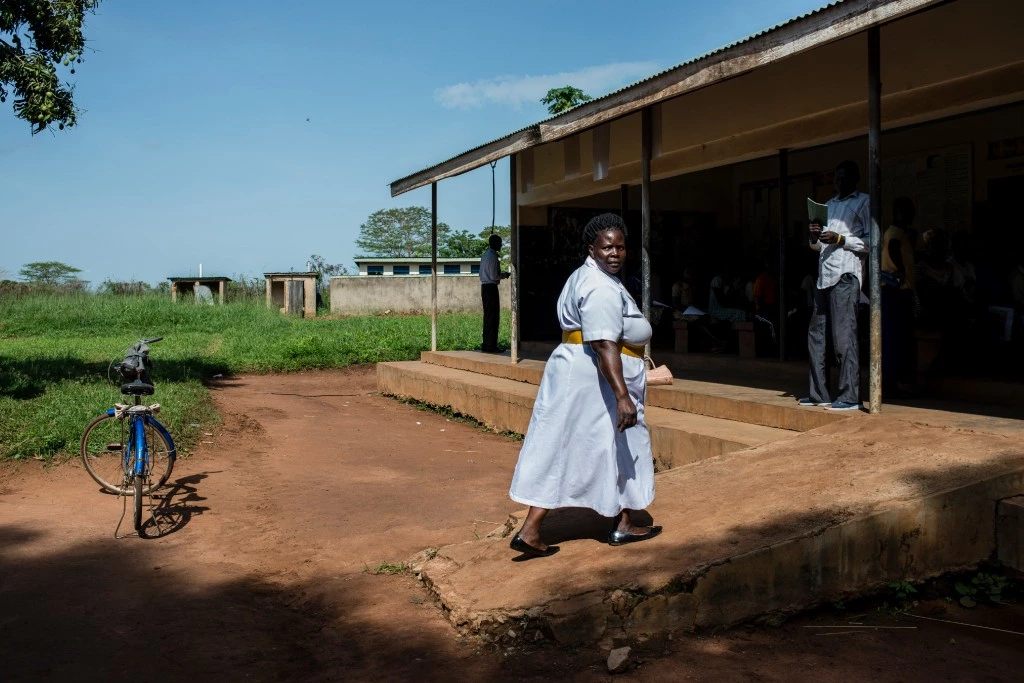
837, 295
490, 276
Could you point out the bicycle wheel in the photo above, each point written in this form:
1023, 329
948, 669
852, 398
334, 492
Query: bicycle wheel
137, 484
103, 451
160, 451
103, 446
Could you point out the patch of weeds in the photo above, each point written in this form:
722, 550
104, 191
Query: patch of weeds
902, 590
386, 568
982, 586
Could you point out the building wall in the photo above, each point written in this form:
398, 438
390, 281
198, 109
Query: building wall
352, 295
465, 265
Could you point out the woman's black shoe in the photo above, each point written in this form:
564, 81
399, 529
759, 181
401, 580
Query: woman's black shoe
521, 546
617, 537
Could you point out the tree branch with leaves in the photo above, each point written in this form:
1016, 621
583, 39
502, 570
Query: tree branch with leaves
399, 233
564, 99
36, 38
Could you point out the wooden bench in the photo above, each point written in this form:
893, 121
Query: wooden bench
747, 339
682, 340
745, 336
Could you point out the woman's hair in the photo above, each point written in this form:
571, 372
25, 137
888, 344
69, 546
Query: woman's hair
602, 223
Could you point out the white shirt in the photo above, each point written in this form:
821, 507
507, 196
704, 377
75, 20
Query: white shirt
490, 272
851, 218
597, 304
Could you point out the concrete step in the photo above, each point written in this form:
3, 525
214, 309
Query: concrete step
821, 517
756, 406
678, 438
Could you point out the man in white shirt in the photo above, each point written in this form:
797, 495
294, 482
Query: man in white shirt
837, 293
490, 276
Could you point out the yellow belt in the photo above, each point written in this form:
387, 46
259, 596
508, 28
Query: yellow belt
576, 337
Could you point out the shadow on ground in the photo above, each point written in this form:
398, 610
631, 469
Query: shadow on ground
121, 610
26, 379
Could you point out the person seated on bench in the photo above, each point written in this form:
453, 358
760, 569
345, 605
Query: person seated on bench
718, 301
766, 293
682, 292
938, 284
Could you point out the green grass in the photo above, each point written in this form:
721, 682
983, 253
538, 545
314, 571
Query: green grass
55, 350
386, 568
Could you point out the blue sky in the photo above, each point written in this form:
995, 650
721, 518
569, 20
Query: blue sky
195, 145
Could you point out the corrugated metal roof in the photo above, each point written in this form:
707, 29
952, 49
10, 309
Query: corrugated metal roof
598, 100
688, 62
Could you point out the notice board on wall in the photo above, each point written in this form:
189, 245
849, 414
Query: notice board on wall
939, 183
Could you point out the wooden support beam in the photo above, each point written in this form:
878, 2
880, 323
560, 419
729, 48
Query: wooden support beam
513, 249
467, 161
875, 192
783, 226
645, 212
911, 107
433, 266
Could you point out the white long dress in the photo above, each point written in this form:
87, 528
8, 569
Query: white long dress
573, 454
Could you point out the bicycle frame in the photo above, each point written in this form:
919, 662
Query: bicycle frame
136, 455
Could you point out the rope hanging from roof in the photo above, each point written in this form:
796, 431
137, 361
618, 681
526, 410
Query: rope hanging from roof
493, 166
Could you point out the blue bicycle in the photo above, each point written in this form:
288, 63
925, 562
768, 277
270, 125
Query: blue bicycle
126, 450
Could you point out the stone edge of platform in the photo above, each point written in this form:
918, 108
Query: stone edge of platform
908, 541
794, 418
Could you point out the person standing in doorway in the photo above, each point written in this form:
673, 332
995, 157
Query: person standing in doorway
837, 293
899, 346
490, 276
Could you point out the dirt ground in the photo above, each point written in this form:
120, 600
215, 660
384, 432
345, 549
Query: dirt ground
269, 529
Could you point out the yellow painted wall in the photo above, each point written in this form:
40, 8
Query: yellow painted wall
717, 190
720, 124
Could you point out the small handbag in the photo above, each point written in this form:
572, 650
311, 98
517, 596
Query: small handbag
657, 374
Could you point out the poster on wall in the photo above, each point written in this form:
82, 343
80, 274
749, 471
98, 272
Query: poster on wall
937, 181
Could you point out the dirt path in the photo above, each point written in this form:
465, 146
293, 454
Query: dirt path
311, 479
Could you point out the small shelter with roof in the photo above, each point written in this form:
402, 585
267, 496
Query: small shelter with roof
201, 287
293, 293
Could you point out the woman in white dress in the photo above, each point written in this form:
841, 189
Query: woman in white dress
587, 444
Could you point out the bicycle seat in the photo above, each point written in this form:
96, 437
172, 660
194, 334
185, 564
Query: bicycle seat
138, 388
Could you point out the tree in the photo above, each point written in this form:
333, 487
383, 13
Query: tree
399, 233
463, 244
563, 99
319, 265
505, 232
37, 37
49, 274
133, 287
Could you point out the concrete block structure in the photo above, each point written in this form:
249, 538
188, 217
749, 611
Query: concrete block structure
360, 295
768, 508
188, 285
293, 293
1010, 532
